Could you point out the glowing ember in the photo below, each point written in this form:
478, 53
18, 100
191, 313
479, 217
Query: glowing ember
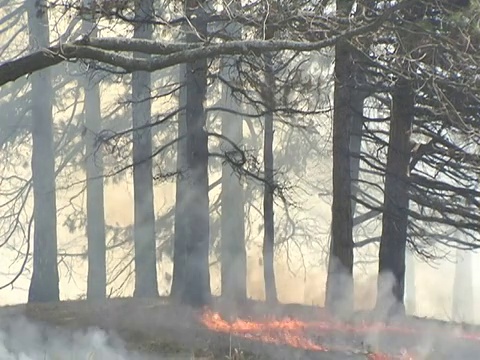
292, 332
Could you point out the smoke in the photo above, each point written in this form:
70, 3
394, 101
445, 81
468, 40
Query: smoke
21, 339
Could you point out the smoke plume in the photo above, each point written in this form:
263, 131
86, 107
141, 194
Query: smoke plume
21, 339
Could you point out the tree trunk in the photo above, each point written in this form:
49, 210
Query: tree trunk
391, 272
97, 269
410, 289
269, 187
146, 284
181, 199
357, 100
462, 302
44, 285
197, 273
339, 289
233, 251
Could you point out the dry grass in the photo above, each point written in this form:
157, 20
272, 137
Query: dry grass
153, 327
157, 327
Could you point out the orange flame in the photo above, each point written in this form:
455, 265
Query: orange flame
286, 332
291, 332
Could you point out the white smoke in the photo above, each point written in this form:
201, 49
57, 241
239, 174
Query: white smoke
21, 339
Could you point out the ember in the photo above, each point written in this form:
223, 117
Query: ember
291, 332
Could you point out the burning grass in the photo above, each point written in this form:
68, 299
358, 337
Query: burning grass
290, 332
297, 334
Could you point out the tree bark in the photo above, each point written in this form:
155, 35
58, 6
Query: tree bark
410, 287
269, 187
463, 299
339, 289
233, 251
44, 286
197, 273
97, 268
181, 198
146, 284
391, 271
357, 100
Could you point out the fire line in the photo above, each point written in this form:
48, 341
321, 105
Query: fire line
291, 332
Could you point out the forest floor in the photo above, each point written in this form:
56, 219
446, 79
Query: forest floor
167, 331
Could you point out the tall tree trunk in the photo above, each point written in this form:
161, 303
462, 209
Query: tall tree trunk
97, 269
462, 302
391, 271
410, 290
146, 284
197, 273
44, 285
233, 251
357, 99
339, 289
181, 197
269, 186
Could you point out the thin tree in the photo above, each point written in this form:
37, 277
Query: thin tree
410, 286
339, 289
44, 285
357, 100
97, 269
463, 299
269, 183
391, 270
181, 197
146, 284
196, 288
232, 243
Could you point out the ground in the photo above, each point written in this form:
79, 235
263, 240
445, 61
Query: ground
161, 329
